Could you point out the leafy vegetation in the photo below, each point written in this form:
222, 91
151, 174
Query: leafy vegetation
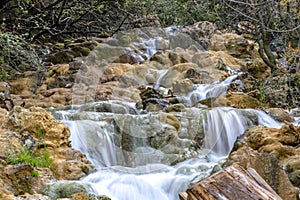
27, 156
16, 55
32, 21
31, 157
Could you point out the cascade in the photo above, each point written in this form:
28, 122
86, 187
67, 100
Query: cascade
96, 135
140, 155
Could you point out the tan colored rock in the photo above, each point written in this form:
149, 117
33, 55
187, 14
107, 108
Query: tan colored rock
22, 86
176, 72
265, 150
171, 58
258, 69
241, 100
260, 136
182, 87
30, 128
233, 44
280, 115
171, 119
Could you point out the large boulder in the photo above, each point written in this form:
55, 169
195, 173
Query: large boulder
201, 32
235, 45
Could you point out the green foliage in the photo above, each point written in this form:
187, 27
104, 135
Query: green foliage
3, 73
31, 157
26, 156
17, 55
175, 12
35, 173
262, 96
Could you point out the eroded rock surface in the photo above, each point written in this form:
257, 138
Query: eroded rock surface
34, 129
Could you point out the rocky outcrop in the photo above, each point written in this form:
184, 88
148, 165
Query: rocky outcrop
5, 100
34, 130
201, 32
270, 151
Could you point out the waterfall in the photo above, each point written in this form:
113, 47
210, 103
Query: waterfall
204, 91
141, 171
222, 126
156, 155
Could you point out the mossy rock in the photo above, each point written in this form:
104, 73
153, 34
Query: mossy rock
241, 100
79, 51
64, 189
179, 107
61, 57
58, 47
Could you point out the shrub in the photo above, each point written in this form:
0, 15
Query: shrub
17, 55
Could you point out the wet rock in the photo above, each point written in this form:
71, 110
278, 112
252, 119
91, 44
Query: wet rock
152, 100
280, 114
64, 189
176, 73
197, 76
182, 87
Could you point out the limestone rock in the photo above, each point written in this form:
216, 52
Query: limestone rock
201, 32
258, 69
233, 44
280, 114
33, 128
241, 100
265, 150
182, 87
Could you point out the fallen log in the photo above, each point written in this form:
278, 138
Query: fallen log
232, 183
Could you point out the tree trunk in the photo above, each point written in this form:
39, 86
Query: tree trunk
234, 182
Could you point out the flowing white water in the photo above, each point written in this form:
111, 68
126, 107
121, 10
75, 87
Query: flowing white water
147, 157
94, 133
204, 91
